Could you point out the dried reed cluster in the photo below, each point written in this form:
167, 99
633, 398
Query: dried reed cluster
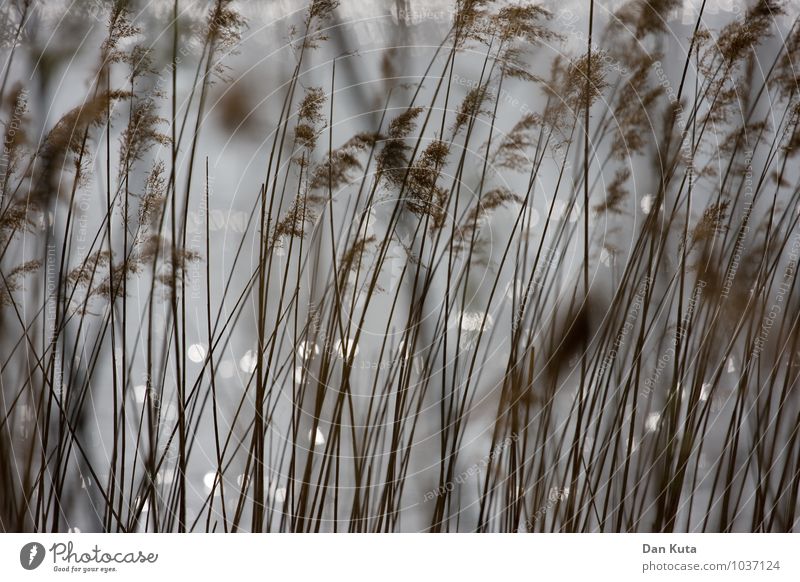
584, 318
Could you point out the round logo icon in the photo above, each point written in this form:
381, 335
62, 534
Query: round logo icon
31, 555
